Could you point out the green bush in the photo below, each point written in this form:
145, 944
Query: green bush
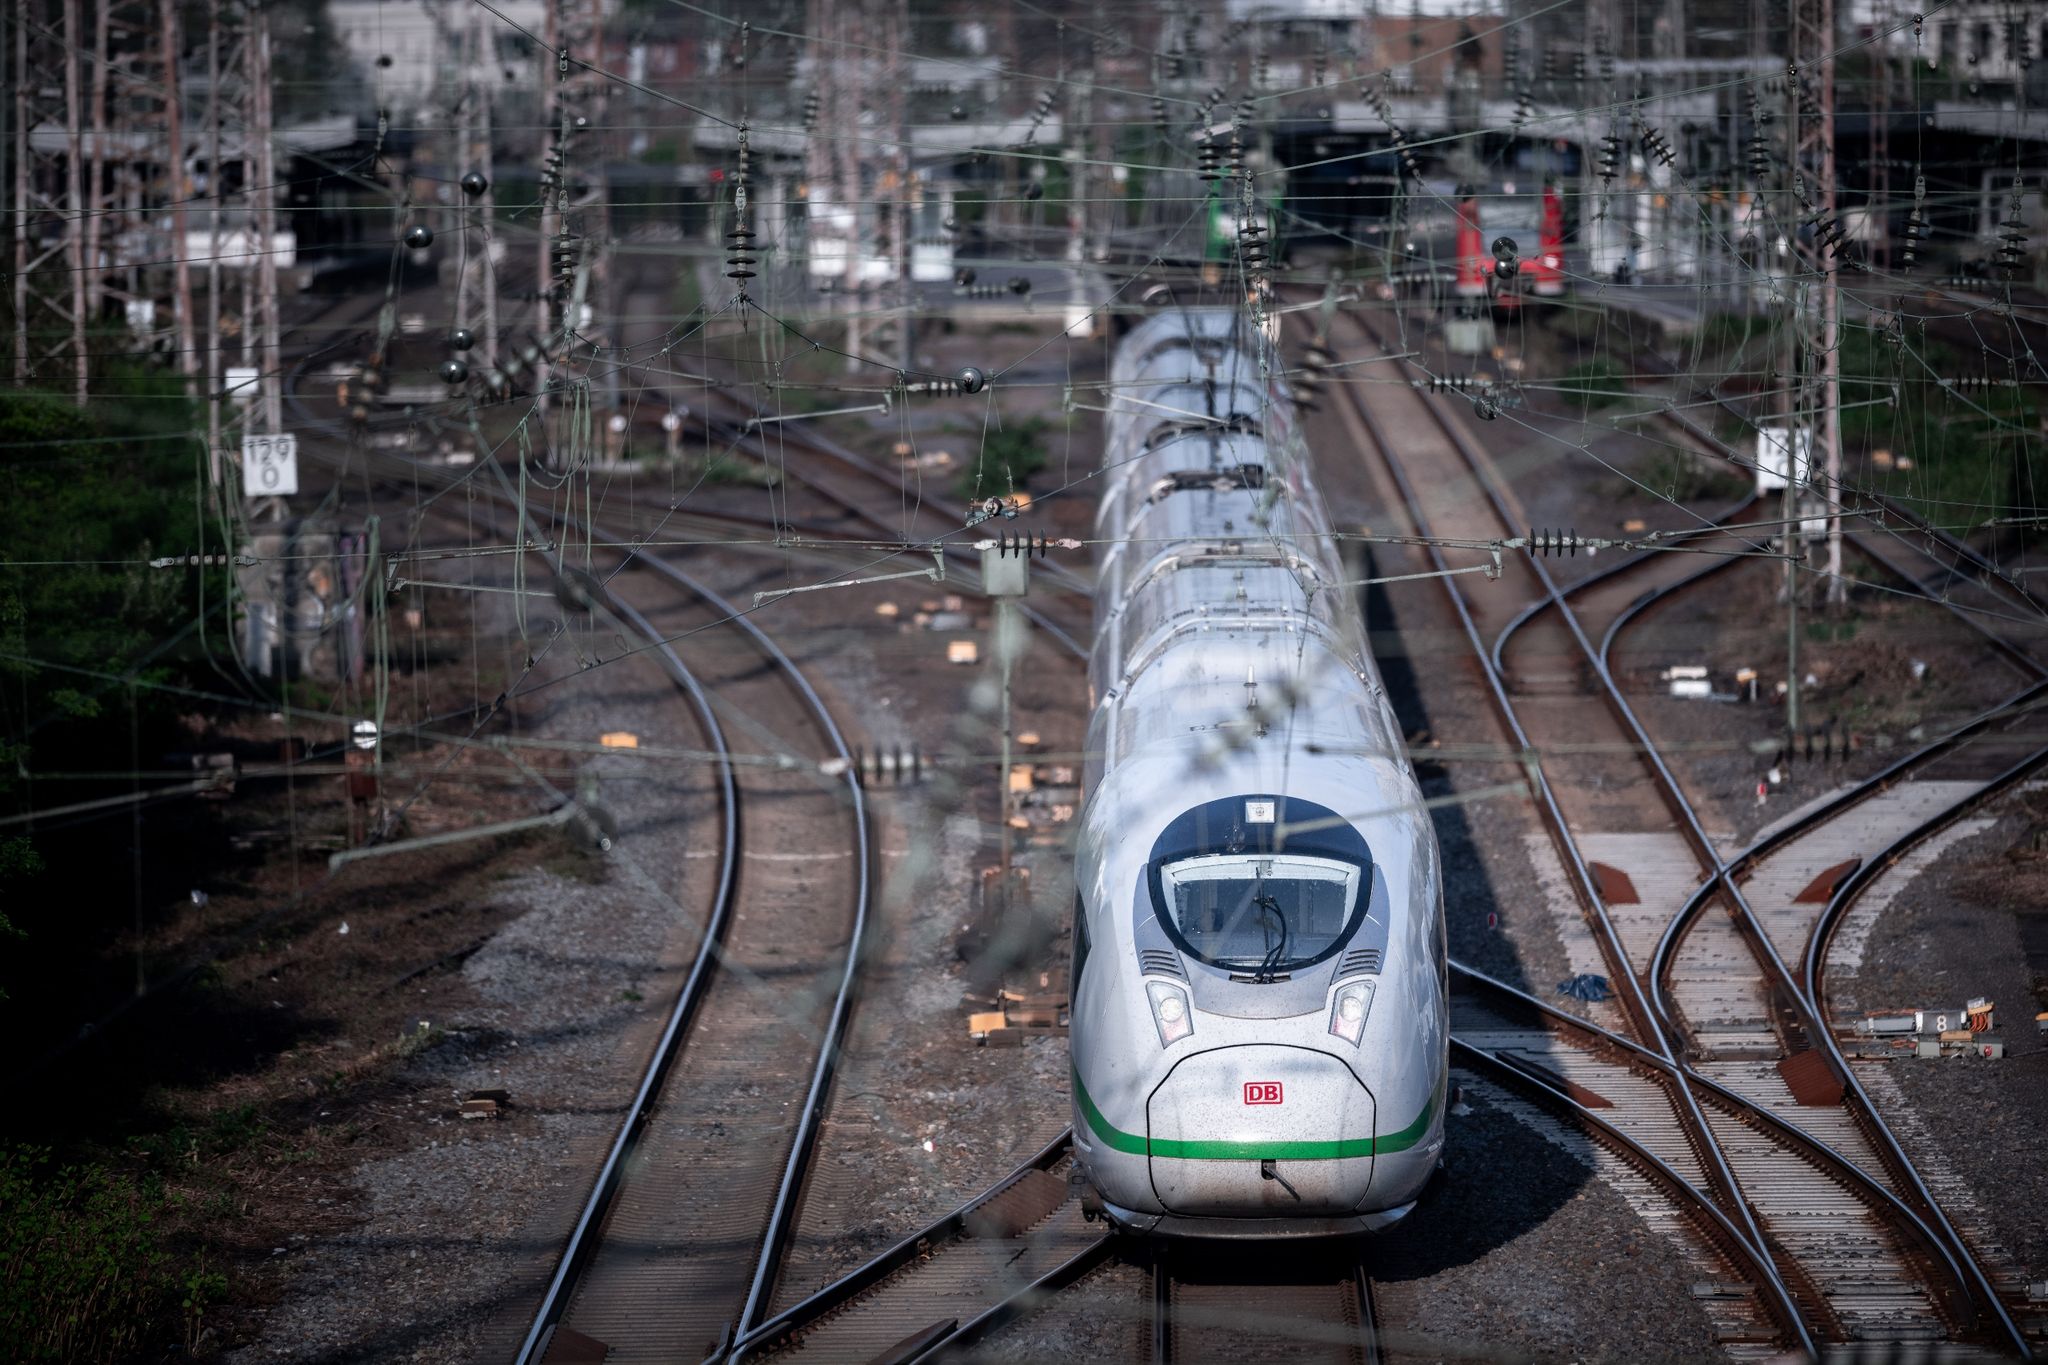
1595, 383
1977, 453
86, 1273
1008, 457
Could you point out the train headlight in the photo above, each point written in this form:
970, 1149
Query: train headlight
1348, 1010
1170, 1012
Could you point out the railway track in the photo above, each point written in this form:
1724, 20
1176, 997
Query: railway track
680, 1241
1929, 563
1292, 1305
1894, 1294
684, 1233
684, 1230
1921, 559
1617, 1093
1772, 1190
1799, 879
1842, 909
1927, 560
1898, 1292
861, 491
1044, 1246
1535, 654
895, 1304
1791, 876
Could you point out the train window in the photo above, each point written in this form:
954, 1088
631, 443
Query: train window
1236, 424
1265, 914
1081, 945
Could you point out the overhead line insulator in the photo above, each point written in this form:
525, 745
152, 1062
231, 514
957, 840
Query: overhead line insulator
1550, 543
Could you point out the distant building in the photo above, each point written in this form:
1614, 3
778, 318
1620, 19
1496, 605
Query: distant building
412, 55
1970, 48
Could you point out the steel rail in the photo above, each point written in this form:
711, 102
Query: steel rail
940, 506
1162, 1307
1873, 546
1974, 1284
1932, 1220
1986, 572
1859, 881
769, 1264
1035, 615
1068, 580
1817, 1151
1875, 785
1867, 544
1784, 1307
912, 1248
1368, 1315
1017, 1304
1929, 1218
822, 539
1738, 866
1601, 575
1065, 577
585, 1236
1712, 1221
786, 1325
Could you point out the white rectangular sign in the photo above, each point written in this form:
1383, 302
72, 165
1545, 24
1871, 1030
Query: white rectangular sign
270, 466
1771, 457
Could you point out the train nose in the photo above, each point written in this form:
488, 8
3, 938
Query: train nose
1260, 1132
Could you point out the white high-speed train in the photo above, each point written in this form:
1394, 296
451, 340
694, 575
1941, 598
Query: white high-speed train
1259, 1024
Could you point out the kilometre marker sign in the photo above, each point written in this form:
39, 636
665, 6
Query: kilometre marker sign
270, 466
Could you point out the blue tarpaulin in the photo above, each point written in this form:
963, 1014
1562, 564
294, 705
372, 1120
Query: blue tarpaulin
1585, 986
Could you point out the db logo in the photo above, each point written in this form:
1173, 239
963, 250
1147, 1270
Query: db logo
1262, 1092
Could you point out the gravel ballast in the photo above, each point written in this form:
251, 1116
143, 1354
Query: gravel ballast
1958, 930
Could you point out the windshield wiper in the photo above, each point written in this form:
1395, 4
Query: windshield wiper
1274, 955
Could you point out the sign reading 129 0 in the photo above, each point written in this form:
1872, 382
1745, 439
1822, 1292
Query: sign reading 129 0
270, 466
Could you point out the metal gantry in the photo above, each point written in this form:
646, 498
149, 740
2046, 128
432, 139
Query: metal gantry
240, 221
1814, 226
48, 191
108, 174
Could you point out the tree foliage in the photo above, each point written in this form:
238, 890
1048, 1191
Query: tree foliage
87, 498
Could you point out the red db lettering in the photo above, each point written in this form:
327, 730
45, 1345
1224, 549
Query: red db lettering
1262, 1092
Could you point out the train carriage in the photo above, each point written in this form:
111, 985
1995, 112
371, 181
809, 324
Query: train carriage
1259, 1026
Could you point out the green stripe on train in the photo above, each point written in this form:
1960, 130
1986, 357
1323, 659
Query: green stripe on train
1135, 1144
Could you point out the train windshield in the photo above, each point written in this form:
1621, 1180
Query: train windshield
1261, 914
